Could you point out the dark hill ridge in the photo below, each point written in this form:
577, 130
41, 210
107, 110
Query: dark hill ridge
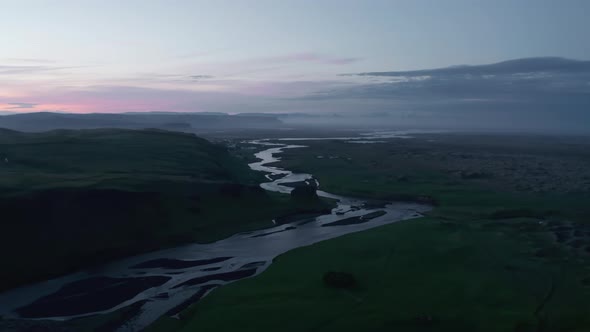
44, 121
105, 157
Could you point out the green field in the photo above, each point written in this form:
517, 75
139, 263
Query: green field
466, 277
489, 257
73, 199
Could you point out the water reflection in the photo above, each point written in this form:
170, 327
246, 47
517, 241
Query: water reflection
176, 279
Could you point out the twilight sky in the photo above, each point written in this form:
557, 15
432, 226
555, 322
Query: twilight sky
297, 56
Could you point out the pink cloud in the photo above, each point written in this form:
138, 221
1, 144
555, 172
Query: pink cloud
116, 99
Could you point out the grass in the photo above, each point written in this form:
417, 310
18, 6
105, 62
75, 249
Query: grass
73, 199
407, 271
375, 172
486, 259
105, 157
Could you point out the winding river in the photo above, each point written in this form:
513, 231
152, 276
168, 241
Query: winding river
167, 281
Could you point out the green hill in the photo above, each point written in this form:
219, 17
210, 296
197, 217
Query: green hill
111, 157
71, 199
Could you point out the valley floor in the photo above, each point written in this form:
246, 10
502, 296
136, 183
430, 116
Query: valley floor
495, 255
72, 200
507, 247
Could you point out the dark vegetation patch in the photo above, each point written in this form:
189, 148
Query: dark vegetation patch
375, 204
309, 215
304, 193
89, 295
410, 198
162, 296
214, 268
275, 176
306, 221
167, 263
472, 175
341, 280
307, 183
356, 220
122, 317
225, 276
193, 299
252, 265
275, 232
521, 213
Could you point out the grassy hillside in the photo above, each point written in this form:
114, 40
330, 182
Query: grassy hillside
491, 257
71, 199
104, 157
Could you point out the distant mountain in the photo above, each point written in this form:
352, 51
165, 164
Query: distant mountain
285, 115
256, 114
188, 122
185, 113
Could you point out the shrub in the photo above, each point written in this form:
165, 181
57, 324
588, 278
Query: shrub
341, 280
304, 193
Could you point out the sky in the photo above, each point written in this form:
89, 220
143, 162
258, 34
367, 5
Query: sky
289, 55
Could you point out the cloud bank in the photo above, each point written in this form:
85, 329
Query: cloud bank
554, 80
536, 92
546, 93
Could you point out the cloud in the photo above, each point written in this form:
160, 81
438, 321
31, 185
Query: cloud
524, 93
14, 106
310, 58
29, 69
30, 60
12, 69
546, 65
534, 92
259, 96
113, 99
532, 81
200, 77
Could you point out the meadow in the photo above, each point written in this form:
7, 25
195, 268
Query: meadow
76, 199
492, 256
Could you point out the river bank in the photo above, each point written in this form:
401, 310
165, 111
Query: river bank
485, 259
248, 254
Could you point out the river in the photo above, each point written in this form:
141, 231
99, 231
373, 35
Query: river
167, 281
